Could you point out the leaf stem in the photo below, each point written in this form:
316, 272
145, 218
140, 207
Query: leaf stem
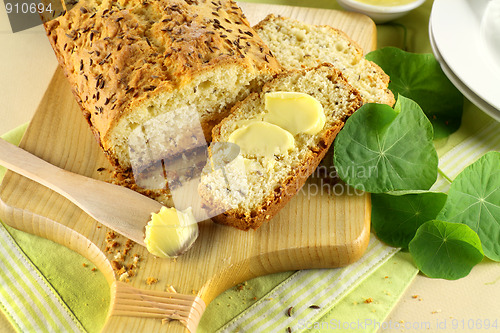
445, 176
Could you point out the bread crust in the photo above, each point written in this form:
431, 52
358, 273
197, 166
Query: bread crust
117, 55
273, 203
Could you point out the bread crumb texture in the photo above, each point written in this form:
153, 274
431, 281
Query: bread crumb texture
299, 45
130, 61
151, 280
269, 183
124, 264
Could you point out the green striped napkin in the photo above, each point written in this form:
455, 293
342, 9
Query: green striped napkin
309, 294
28, 300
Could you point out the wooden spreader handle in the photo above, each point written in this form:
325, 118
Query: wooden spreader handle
167, 306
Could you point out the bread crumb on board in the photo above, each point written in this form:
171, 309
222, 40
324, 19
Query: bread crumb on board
171, 289
118, 250
151, 280
124, 277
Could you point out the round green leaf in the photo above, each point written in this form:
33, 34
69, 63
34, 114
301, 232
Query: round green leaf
474, 200
396, 217
381, 149
445, 250
420, 77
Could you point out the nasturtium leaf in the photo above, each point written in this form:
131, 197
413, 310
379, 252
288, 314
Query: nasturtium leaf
474, 200
420, 78
445, 250
381, 149
396, 217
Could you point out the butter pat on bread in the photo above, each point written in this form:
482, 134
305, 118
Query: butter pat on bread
295, 112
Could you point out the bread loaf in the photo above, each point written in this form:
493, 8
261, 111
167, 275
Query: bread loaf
299, 45
131, 61
271, 183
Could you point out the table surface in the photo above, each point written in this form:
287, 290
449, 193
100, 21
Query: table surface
27, 64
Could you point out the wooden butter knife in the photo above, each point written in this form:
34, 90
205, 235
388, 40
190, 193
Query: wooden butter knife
120, 209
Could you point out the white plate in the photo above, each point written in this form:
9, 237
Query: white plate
471, 96
464, 49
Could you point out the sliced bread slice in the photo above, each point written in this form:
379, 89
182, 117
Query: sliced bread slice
299, 45
268, 183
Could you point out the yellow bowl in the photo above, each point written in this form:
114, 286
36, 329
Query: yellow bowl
380, 13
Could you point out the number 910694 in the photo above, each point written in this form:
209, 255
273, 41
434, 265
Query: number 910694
27, 8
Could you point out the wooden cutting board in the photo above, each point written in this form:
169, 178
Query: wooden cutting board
326, 225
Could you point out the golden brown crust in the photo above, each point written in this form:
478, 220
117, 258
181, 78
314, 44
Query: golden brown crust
118, 54
272, 204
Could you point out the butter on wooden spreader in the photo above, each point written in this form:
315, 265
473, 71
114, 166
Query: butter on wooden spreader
119, 208
171, 232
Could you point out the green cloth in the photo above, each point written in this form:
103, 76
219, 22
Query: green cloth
260, 305
365, 309
28, 300
84, 291
385, 286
